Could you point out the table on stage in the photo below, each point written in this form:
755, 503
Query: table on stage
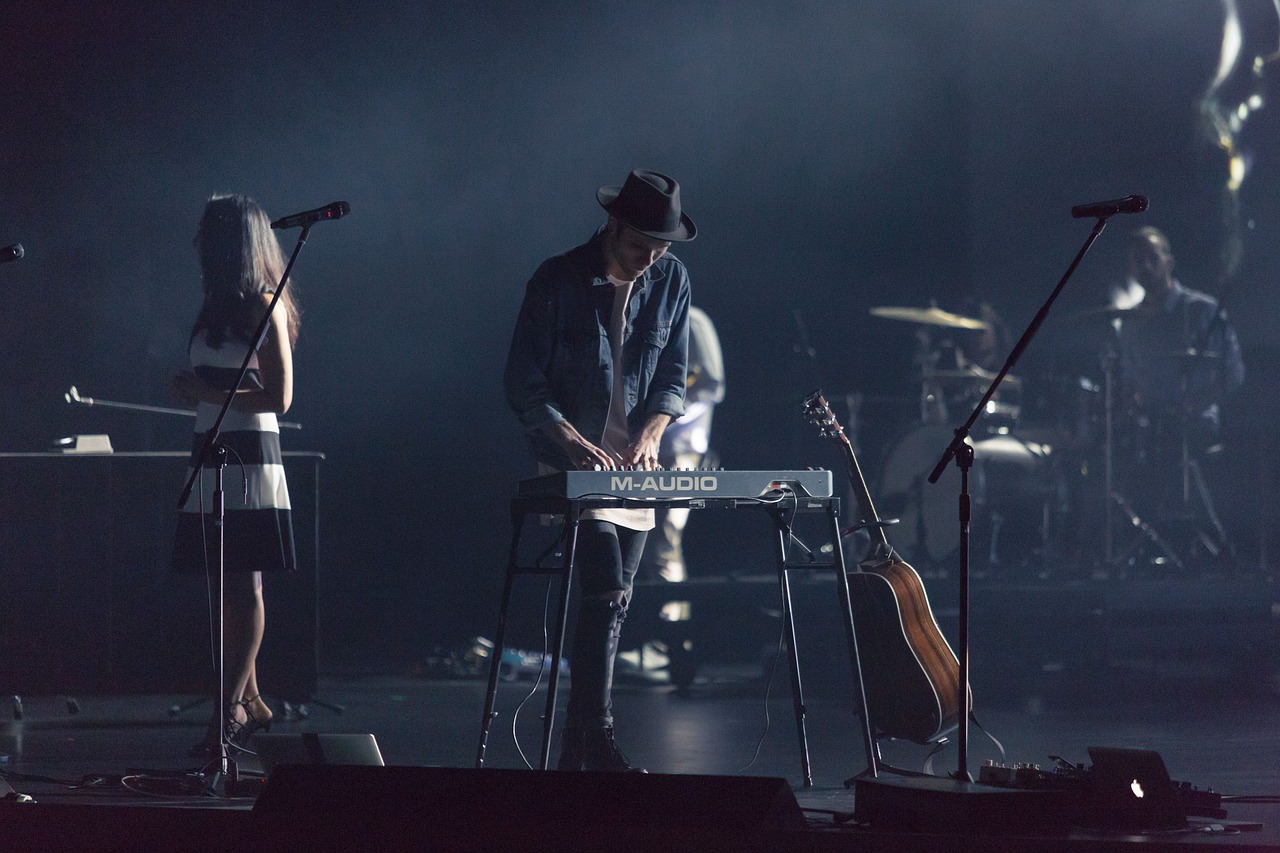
89, 604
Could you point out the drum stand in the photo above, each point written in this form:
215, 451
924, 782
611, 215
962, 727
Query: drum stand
933, 403
1114, 499
1207, 529
1218, 543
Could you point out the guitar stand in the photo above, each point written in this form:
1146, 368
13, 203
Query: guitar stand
875, 762
780, 511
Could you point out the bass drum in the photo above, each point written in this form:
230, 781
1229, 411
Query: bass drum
1014, 495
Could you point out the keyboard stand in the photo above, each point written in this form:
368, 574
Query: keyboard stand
779, 511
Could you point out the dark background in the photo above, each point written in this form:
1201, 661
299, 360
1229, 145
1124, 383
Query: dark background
835, 155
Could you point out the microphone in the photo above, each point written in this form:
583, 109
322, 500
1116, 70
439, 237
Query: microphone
11, 253
1128, 204
336, 210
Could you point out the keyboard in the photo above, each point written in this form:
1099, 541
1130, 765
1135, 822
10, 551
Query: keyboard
678, 485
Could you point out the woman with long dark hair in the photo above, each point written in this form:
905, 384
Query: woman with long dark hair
240, 264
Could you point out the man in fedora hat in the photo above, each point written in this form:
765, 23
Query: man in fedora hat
595, 372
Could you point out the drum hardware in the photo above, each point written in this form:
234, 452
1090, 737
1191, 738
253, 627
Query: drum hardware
1109, 359
1115, 500
926, 536
963, 387
1192, 482
1145, 532
933, 402
942, 388
1002, 418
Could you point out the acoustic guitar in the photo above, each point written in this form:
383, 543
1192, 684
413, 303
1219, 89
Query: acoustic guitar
909, 672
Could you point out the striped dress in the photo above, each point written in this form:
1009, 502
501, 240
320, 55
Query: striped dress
259, 530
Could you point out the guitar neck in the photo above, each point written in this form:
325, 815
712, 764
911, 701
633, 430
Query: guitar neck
862, 495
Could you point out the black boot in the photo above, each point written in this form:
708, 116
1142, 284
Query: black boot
572, 750
593, 749
601, 752
587, 741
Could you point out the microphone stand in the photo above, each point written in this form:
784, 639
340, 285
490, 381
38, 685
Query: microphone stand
74, 396
212, 451
962, 452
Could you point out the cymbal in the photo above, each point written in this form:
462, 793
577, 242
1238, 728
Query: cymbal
1188, 354
972, 374
1110, 312
930, 316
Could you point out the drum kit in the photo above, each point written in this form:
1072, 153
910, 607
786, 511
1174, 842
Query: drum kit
1013, 483
1044, 486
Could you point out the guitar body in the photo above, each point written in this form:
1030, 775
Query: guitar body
909, 672
910, 675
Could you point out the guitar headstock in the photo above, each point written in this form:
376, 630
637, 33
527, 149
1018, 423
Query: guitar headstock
818, 411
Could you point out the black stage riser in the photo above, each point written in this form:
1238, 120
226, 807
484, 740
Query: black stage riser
40, 828
413, 808
334, 808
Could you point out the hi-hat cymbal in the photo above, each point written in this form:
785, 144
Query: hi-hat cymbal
928, 316
1188, 354
1110, 312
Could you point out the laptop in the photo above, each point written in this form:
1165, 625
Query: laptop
1130, 789
315, 748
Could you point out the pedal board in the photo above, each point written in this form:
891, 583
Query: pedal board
1029, 776
1075, 777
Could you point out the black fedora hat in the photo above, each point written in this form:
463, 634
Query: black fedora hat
650, 203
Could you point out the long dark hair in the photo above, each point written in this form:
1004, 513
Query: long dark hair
240, 259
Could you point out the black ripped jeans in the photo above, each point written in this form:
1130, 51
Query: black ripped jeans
606, 561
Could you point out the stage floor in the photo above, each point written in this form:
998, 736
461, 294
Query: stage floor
730, 722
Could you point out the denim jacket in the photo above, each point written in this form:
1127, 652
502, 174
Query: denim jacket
560, 366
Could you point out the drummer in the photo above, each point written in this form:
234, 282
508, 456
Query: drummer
1178, 352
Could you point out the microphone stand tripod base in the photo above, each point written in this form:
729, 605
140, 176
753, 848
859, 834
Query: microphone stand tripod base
225, 778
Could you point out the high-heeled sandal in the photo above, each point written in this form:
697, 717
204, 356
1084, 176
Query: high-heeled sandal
232, 730
237, 732
251, 724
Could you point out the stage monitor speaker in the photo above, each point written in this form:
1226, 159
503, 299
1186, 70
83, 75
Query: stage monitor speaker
275, 750
413, 808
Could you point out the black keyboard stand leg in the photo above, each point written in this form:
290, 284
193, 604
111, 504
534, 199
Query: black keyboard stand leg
855, 658
500, 637
557, 642
793, 657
